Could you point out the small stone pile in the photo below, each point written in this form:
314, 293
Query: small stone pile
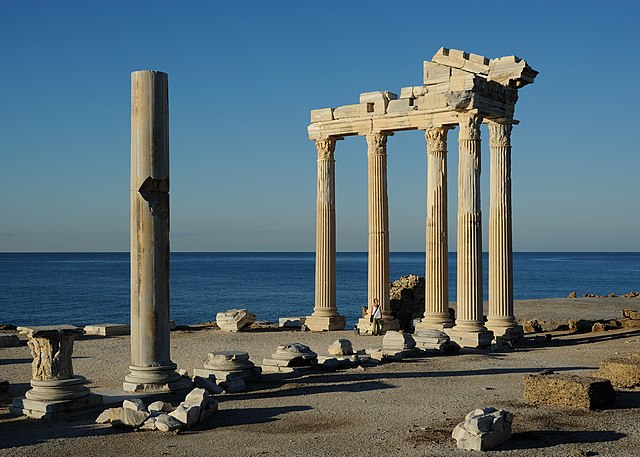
483, 429
226, 370
235, 319
288, 357
407, 299
197, 407
621, 372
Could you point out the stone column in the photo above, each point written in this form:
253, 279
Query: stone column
325, 316
501, 319
436, 314
379, 227
469, 330
151, 367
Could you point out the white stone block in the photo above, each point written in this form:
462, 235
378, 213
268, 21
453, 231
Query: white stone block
131, 418
400, 106
135, 404
160, 406
435, 73
189, 415
320, 115
341, 347
149, 424
234, 319
104, 417
357, 110
197, 397
377, 96
107, 329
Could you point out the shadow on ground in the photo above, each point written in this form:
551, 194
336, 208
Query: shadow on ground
535, 439
245, 416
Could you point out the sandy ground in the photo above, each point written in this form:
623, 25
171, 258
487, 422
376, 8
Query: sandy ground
400, 408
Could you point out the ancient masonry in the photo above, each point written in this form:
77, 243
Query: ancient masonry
460, 90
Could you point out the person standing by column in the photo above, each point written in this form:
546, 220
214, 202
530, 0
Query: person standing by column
376, 315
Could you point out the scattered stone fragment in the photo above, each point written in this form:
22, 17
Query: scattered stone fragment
130, 418
160, 406
531, 326
208, 383
483, 429
341, 347
134, 403
621, 372
197, 397
115, 414
104, 417
167, 423
291, 322
397, 341
292, 355
235, 319
568, 390
149, 424
189, 415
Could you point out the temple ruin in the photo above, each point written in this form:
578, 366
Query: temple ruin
460, 90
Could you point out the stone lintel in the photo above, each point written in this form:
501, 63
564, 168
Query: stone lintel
45, 331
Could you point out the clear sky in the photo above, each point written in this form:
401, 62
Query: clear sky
243, 77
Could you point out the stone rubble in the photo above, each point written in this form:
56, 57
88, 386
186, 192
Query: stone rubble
341, 347
434, 340
292, 355
291, 322
234, 320
483, 429
226, 370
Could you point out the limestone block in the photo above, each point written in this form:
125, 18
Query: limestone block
160, 406
455, 58
511, 71
167, 423
568, 390
9, 340
400, 106
107, 329
135, 404
341, 347
189, 415
104, 417
434, 73
377, 97
397, 341
319, 115
621, 372
432, 100
483, 429
357, 110
208, 382
149, 424
197, 397
234, 319
130, 418
291, 322
406, 92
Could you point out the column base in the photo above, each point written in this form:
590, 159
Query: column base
512, 333
53, 410
385, 325
436, 322
466, 338
153, 379
58, 389
325, 323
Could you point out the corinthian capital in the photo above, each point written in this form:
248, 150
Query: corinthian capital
377, 142
436, 140
499, 134
469, 126
326, 147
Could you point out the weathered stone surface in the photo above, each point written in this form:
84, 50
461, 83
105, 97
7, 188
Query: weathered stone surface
134, 403
568, 390
130, 418
197, 397
397, 341
208, 382
167, 423
323, 114
291, 322
107, 329
292, 355
511, 70
356, 110
341, 347
9, 340
149, 424
160, 406
483, 429
227, 365
401, 106
234, 319
189, 415
104, 417
621, 372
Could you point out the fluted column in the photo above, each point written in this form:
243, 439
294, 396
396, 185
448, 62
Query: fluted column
151, 367
378, 210
436, 313
325, 316
501, 319
469, 329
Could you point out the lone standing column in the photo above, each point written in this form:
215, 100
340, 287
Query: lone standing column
151, 367
325, 315
501, 319
436, 313
379, 227
469, 330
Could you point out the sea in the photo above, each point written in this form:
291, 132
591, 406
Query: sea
91, 288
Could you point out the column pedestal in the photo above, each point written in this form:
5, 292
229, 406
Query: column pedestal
325, 316
56, 392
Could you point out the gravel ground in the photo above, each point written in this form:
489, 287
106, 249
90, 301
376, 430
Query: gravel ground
400, 408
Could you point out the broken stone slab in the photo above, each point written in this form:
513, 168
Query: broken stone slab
202, 378
483, 429
189, 415
568, 390
292, 355
160, 406
197, 397
621, 372
134, 403
130, 418
341, 347
511, 71
104, 417
107, 329
291, 322
397, 341
234, 320
167, 423
8, 340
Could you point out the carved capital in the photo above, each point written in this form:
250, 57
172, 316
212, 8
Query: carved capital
469, 126
436, 140
326, 147
377, 143
499, 134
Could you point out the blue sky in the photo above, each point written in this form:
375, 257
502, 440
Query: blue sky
243, 77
